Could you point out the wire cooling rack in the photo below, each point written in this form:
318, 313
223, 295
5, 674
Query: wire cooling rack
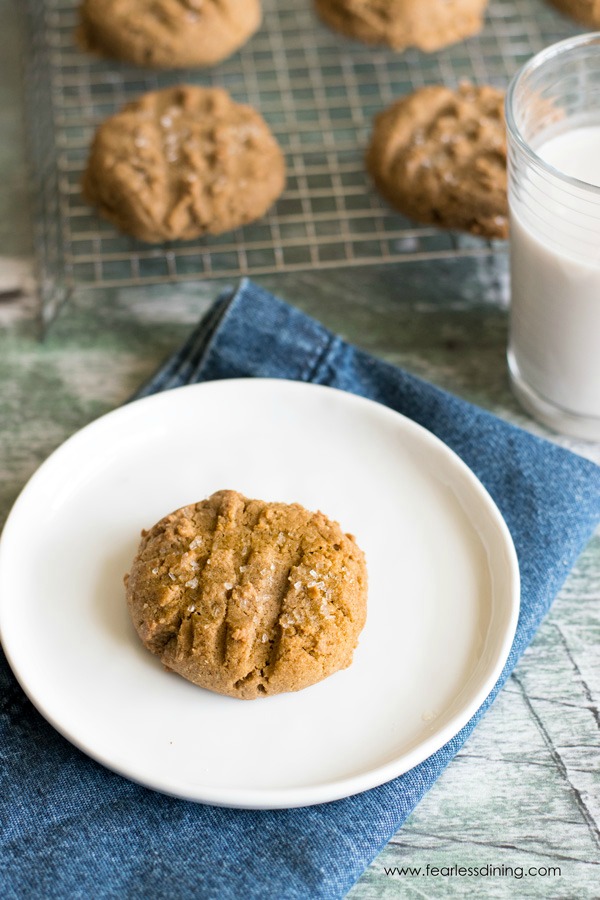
317, 90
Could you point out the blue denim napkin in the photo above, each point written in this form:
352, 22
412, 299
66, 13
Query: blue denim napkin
71, 829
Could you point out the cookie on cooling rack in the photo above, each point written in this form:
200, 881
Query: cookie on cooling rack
439, 156
248, 598
182, 162
168, 33
426, 24
585, 11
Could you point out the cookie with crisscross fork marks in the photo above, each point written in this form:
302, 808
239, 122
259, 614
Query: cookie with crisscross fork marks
439, 156
426, 24
168, 33
249, 598
183, 162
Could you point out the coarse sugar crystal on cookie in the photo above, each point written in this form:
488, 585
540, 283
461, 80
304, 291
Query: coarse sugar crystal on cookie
248, 598
182, 162
439, 156
167, 33
426, 24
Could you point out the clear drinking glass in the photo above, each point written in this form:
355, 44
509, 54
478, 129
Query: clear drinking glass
553, 123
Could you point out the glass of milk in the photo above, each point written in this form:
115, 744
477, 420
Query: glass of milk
553, 123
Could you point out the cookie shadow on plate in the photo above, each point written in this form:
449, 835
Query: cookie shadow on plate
109, 607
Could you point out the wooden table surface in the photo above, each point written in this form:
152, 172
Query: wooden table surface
525, 790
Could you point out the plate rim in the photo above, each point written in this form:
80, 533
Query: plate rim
290, 797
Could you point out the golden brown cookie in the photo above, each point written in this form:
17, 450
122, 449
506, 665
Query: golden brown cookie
183, 162
585, 11
426, 24
439, 156
168, 33
248, 598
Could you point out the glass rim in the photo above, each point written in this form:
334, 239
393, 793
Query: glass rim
536, 62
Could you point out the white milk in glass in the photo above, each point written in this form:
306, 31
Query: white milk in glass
555, 262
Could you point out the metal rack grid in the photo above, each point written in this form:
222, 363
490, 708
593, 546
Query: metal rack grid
317, 90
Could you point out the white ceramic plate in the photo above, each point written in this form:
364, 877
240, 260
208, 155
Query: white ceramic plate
443, 597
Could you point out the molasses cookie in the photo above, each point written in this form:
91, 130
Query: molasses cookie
183, 162
585, 11
248, 598
168, 33
426, 24
439, 156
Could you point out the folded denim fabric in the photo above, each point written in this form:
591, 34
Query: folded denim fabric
70, 829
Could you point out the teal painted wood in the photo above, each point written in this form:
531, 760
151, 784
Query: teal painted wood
525, 791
